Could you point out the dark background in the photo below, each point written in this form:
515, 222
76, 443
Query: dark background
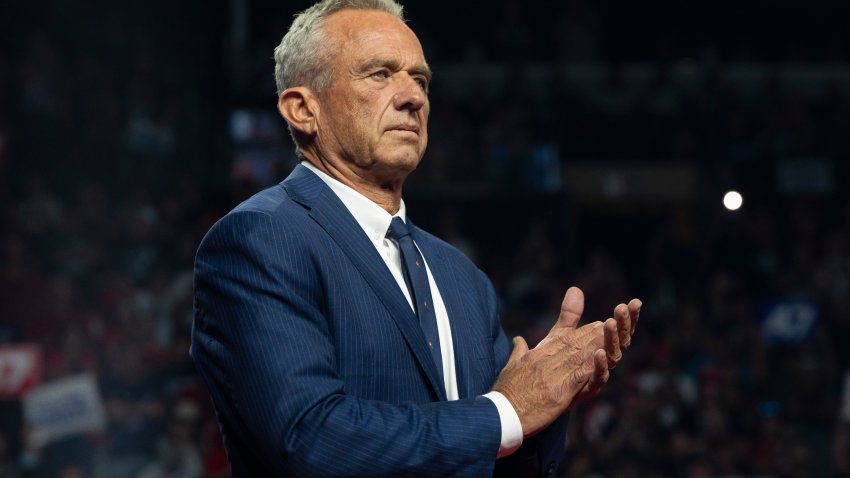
575, 142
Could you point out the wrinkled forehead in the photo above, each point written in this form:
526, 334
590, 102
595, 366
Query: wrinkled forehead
356, 30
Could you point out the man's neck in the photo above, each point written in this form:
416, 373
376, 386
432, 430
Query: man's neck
385, 194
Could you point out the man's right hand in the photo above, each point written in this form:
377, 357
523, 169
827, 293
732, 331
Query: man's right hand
570, 364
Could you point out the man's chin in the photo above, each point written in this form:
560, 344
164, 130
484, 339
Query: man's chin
396, 166
403, 158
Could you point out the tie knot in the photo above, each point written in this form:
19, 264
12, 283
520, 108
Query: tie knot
398, 229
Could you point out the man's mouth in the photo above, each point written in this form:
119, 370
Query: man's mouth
411, 128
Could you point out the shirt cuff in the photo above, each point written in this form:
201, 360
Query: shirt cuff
511, 426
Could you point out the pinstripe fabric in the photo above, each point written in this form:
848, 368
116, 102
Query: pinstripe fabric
316, 363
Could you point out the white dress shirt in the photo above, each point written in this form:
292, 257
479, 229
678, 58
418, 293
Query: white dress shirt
375, 222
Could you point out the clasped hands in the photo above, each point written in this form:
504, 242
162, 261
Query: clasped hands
570, 364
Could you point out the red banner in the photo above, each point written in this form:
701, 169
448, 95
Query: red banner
20, 369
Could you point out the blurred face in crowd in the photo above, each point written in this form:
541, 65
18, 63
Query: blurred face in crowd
374, 115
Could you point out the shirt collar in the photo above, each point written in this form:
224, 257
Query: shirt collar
374, 219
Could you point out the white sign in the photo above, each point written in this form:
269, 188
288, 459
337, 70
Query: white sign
63, 407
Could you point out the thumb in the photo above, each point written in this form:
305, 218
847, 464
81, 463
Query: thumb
520, 349
571, 309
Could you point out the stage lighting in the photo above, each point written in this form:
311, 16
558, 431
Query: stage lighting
733, 200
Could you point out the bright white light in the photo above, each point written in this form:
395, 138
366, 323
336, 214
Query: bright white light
733, 200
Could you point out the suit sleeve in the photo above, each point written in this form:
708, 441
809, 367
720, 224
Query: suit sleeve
541, 454
262, 344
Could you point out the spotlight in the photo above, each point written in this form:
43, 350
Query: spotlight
733, 200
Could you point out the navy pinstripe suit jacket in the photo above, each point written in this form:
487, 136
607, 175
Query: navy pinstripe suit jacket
317, 365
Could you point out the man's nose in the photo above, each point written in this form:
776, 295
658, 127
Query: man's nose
410, 95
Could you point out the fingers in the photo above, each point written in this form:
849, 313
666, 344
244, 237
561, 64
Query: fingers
600, 371
624, 325
601, 347
581, 361
520, 349
634, 311
595, 378
613, 353
627, 317
588, 334
571, 309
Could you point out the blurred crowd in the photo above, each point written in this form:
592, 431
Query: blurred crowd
109, 179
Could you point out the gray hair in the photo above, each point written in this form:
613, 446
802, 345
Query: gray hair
303, 56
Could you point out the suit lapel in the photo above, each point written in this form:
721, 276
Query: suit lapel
332, 215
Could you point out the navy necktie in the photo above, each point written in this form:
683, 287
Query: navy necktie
416, 278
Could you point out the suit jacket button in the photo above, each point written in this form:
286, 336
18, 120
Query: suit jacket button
550, 470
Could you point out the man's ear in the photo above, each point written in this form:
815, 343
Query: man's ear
299, 107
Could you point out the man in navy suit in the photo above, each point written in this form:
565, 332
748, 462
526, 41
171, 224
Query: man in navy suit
338, 339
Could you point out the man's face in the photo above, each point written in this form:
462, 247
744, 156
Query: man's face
375, 113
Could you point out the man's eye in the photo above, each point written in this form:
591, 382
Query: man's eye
422, 83
381, 74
